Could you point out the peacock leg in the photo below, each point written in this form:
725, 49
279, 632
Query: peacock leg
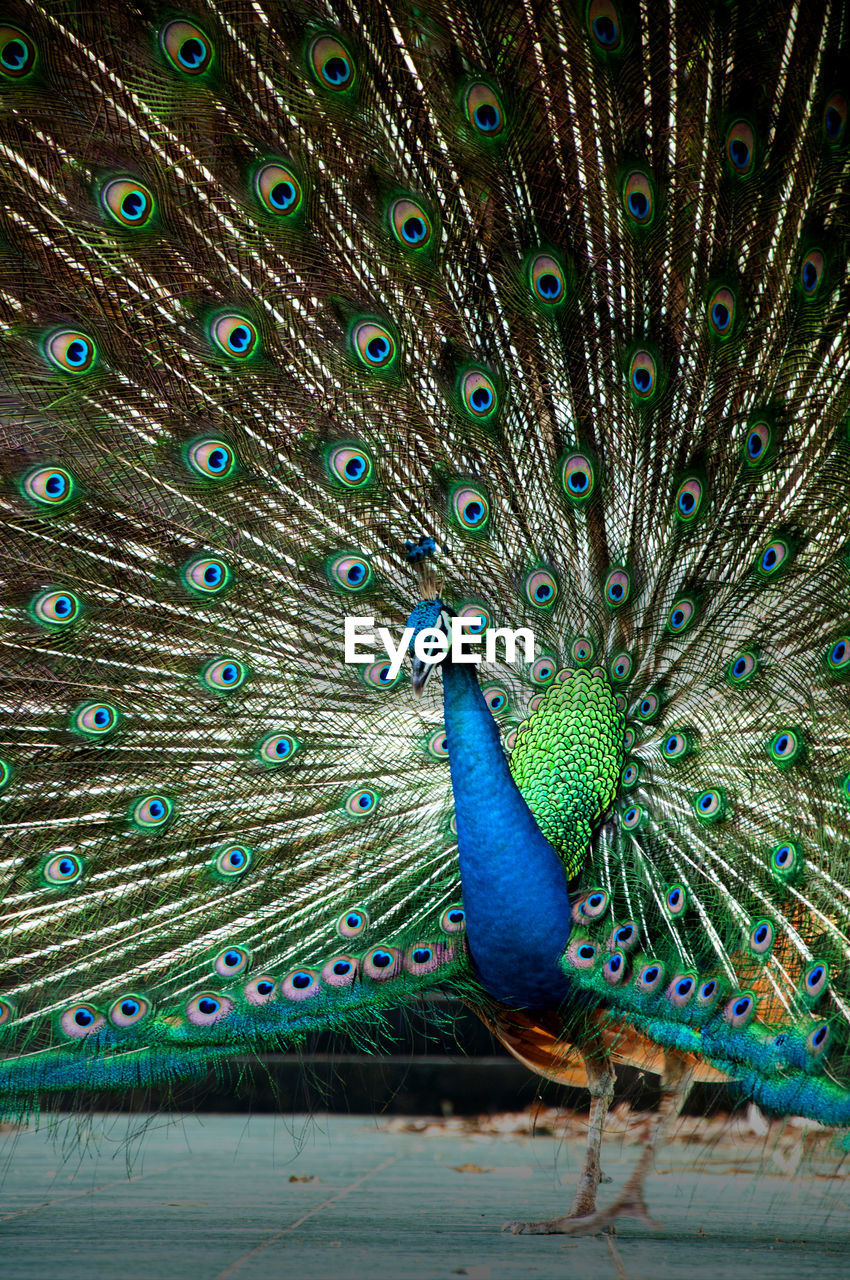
675, 1085
600, 1084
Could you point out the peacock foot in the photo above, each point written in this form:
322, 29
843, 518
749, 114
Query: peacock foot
629, 1204
585, 1219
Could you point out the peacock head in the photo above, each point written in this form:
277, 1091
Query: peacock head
433, 617
431, 614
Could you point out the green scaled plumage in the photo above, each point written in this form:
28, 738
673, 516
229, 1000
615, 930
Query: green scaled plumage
282, 286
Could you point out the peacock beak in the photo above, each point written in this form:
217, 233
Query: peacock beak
420, 674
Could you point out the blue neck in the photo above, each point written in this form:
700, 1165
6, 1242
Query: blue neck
514, 884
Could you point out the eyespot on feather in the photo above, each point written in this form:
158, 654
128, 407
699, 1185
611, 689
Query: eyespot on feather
81, 1020
331, 64
128, 1010
18, 53
302, 984
382, 963
208, 1008
187, 47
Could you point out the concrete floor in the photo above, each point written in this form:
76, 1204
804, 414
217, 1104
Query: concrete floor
354, 1198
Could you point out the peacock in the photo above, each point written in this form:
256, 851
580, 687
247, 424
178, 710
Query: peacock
426, 538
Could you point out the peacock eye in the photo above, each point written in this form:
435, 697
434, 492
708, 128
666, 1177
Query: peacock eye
361, 802
187, 48
277, 748
410, 224
128, 202
689, 498
648, 706
838, 656
709, 805
349, 572
818, 1041
469, 506
233, 860
593, 904
17, 53
708, 993
621, 666
785, 747
812, 273
70, 351
643, 375
616, 588
5, 773
541, 588
63, 869
546, 280
382, 963
495, 697
581, 954
681, 615
604, 25
835, 119
742, 667
542, 669
628, 740
473, 609
373, 345
211, 458
331, 64
235, 336
81, 1020
578, 477
615, 969
785, 859
340, 971
739, 1010
741, 148
422, 958
94, 719
350, 464
353, 923
478, 395
260, 990
224, 673
207, 1009
815, 980
484, 110
453, 920
639, 198
630, 775
582, 649
675, 746
649, 977
757, 444
761, 937
676, 900
48, 486
721, 309
231, 961
128, 1010
681, 989
207, 575
151, 812
775, 556
624, 937
56, 608
278, 190
634, 817
378, 675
